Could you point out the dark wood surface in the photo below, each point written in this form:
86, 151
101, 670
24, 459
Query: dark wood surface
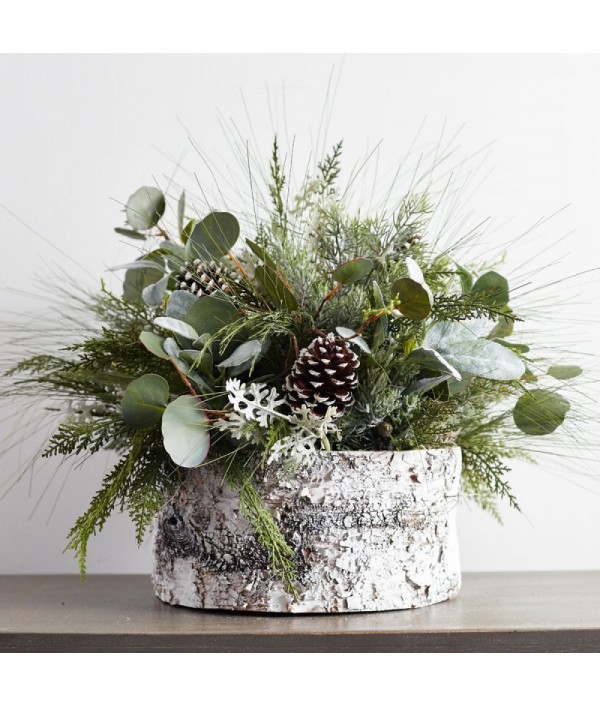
495, 612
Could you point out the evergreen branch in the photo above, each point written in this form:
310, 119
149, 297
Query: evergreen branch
276, 189
330, 167
463, 307
281, 555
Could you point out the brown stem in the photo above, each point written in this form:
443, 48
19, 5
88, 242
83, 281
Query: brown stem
329, 296
368, 321
239, 267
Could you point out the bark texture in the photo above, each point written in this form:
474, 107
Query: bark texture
372, 530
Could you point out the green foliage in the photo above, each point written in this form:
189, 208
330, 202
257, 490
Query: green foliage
138, 481
145, 208
540, 412
213, 237
281, 555
330, 168
435, 366
89, 436
276, 188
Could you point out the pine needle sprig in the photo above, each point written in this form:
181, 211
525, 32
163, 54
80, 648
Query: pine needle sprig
281, 555
143, 461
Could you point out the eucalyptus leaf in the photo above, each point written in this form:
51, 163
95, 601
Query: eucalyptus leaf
431, 360
185, 432
415, 299
199, 360
131, 233
145, 208
176, 326
154, 344
138, 265
414, 271
245, 352
213, 237
179, 303
495, 288
135, 281
564, 372
171, 348
173, 253
353, 270
210, 314
484, 358
445, 333
540, 412
153, 294
144, 401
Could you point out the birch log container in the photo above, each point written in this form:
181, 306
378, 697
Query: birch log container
372, 530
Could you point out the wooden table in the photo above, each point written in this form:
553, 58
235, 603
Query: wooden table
495, 612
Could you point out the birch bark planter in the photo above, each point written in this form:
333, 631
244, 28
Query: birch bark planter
372, 531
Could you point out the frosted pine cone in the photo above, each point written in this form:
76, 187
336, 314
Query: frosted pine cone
323, 376
202, 278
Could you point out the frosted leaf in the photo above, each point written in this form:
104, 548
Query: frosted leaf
255, 402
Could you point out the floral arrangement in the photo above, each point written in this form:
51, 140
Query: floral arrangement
316, 329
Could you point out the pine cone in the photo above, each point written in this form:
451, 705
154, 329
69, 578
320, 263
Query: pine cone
323, 376
202, 278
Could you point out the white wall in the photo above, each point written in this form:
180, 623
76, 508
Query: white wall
78, 131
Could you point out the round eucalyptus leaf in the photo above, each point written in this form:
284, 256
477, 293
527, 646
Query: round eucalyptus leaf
154, 294
185, 428
540, 412
179, 302
353, 270
145, 208
494, 287
564, 372
414, 271
199, 360
153, 343
210, 314
144, 401
136, 280
176, 326
246, 352
416, 299
213, 237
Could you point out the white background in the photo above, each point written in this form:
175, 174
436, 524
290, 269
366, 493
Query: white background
78, 134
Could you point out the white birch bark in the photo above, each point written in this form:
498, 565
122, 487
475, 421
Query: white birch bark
373, 530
